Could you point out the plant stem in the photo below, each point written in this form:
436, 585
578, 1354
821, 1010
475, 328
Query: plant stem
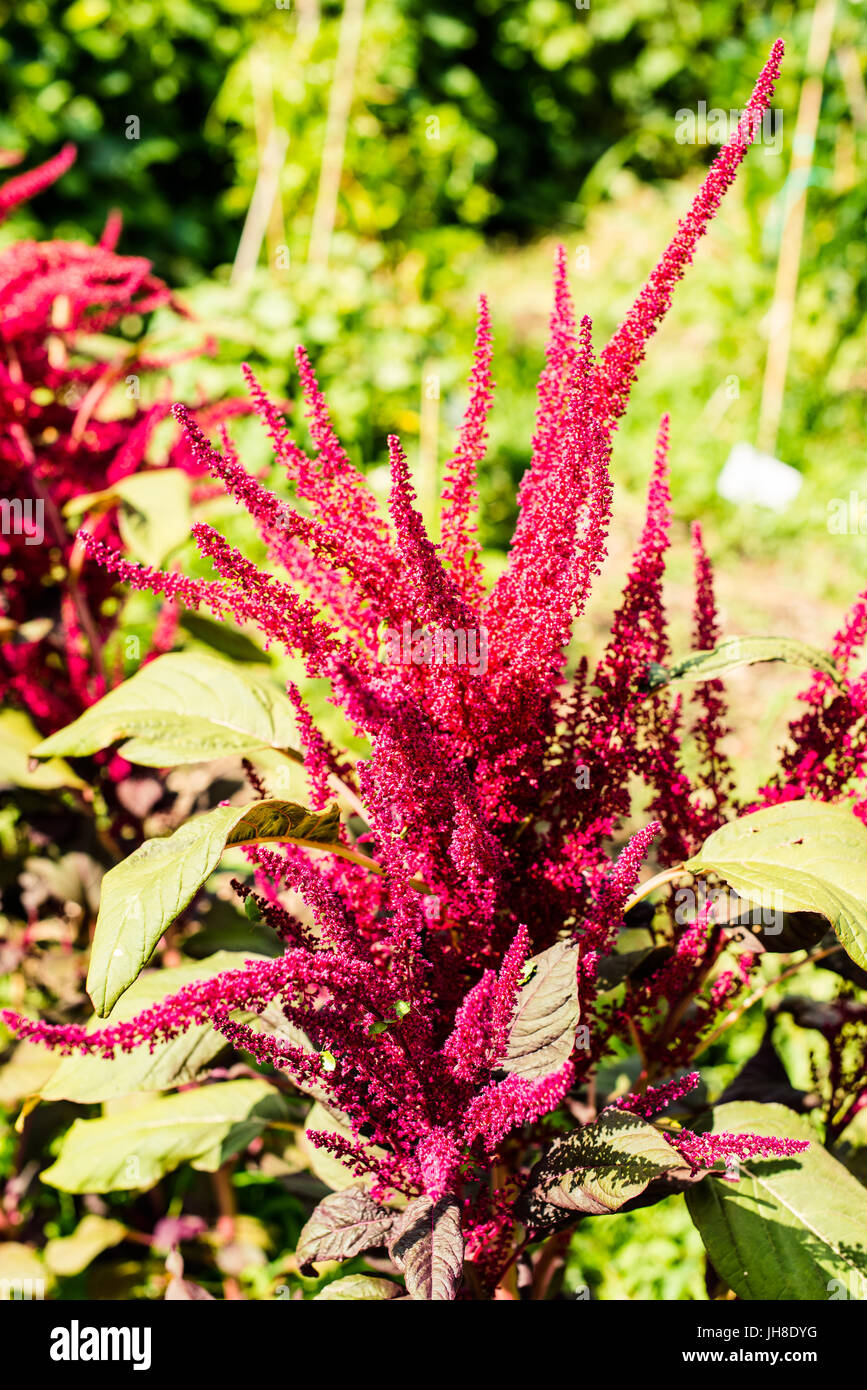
342, 851
552, 1254
666, 876
732, 1018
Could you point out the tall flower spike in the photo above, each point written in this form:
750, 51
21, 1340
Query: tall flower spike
636, 731
25, 186
555, 382
432, 590
704, 1150
656, 1098
599, 937
532, 607
343, 505
620, 359
345, 486
460, 547
296, 541
709, 728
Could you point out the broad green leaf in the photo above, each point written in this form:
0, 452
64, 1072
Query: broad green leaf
790, 1228
88, 1078
851, 1148
222, 637
132, 1150
19, 739
359, 1287
68, 1255
323, 1165
343, 1225
328, 1169
597, 1169
734, 652
142, 896
799, 856
427, 1245
548, 1011
154, 511
185, 707
223, 928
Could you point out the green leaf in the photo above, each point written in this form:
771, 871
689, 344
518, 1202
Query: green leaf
328, 1169
132, 1150
359, 1286
88, 1079
323, 1165
548, 1012
154, 514
185, 707
597, 1169
343, 1225
68, 1255
222, 637
19, 739
734, 652
142, 896
799, 856
788, 1227
224, 929
25, 1071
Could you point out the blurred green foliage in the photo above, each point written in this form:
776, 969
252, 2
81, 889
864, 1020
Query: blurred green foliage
469, 122
79, 71
505, 116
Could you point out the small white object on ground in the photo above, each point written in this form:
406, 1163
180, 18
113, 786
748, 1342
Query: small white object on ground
749, 476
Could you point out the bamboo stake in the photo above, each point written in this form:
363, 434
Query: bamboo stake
785, 289
308, 19
265, 121
259, 211
339, 106
856, 92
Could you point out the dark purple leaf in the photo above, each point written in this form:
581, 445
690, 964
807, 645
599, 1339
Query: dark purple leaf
344, 1224
765, 1079
427, 1246
596, 1170
543, 1031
